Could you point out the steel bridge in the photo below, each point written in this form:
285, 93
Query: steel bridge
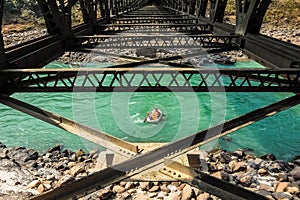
196, 25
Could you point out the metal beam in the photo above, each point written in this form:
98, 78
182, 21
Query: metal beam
147, 160
2, 52
217, 10
57, 17
35, 53
208, 183
152, 28
114, 144
272, 52
149, 80
157, 41
154, 20
250, 15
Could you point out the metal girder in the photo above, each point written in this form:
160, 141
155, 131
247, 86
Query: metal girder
208, 183
154, 20
272, 52
2, 52
250, 15
147, 160
217, 10
157, 41
89, 11
149, 80
201, 8
114, 144
57, 17
35, 53
103, 28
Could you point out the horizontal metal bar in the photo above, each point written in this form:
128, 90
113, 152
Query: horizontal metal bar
159, 41
164, 27
272, 51
154, 20
145, 161
149, 80
117, 145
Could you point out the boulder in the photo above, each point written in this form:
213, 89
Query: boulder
245, 179
281, 186
235, 166
145, 185
164, 188
118, 189
129, 185
155, 188
34, 184
293, 189
173, 196
104, 194
225, 157
142, 196
64, 180
295, 173
268, 157
239, 153
41, 189
56, 148
266, 187
262, 171
187, 192
282, 195
77, 169
204, 196
79, 153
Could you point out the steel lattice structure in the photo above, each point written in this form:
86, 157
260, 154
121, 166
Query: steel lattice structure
150, 80
153, 24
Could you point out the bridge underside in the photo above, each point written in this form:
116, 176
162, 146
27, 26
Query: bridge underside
192, 26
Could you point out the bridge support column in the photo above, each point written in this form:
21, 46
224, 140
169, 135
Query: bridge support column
2, 50
57, 17
217, 10
89, 11
192, 7
201, 8
250, 15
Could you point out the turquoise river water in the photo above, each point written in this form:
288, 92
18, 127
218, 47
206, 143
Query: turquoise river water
122, 114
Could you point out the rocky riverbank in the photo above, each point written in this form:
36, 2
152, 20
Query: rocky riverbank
25, 173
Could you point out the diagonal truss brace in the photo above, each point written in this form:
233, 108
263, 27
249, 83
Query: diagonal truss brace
205, 182
115, 144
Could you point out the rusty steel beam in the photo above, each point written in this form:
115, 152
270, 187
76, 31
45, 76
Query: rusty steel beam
114, 144
145, 161
208, 183
149, 80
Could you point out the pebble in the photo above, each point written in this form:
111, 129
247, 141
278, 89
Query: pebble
295, 173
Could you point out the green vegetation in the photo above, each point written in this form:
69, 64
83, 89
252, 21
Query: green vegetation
280, 12
21, 11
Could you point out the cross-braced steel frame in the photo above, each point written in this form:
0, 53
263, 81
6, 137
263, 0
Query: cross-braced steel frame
156, 24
